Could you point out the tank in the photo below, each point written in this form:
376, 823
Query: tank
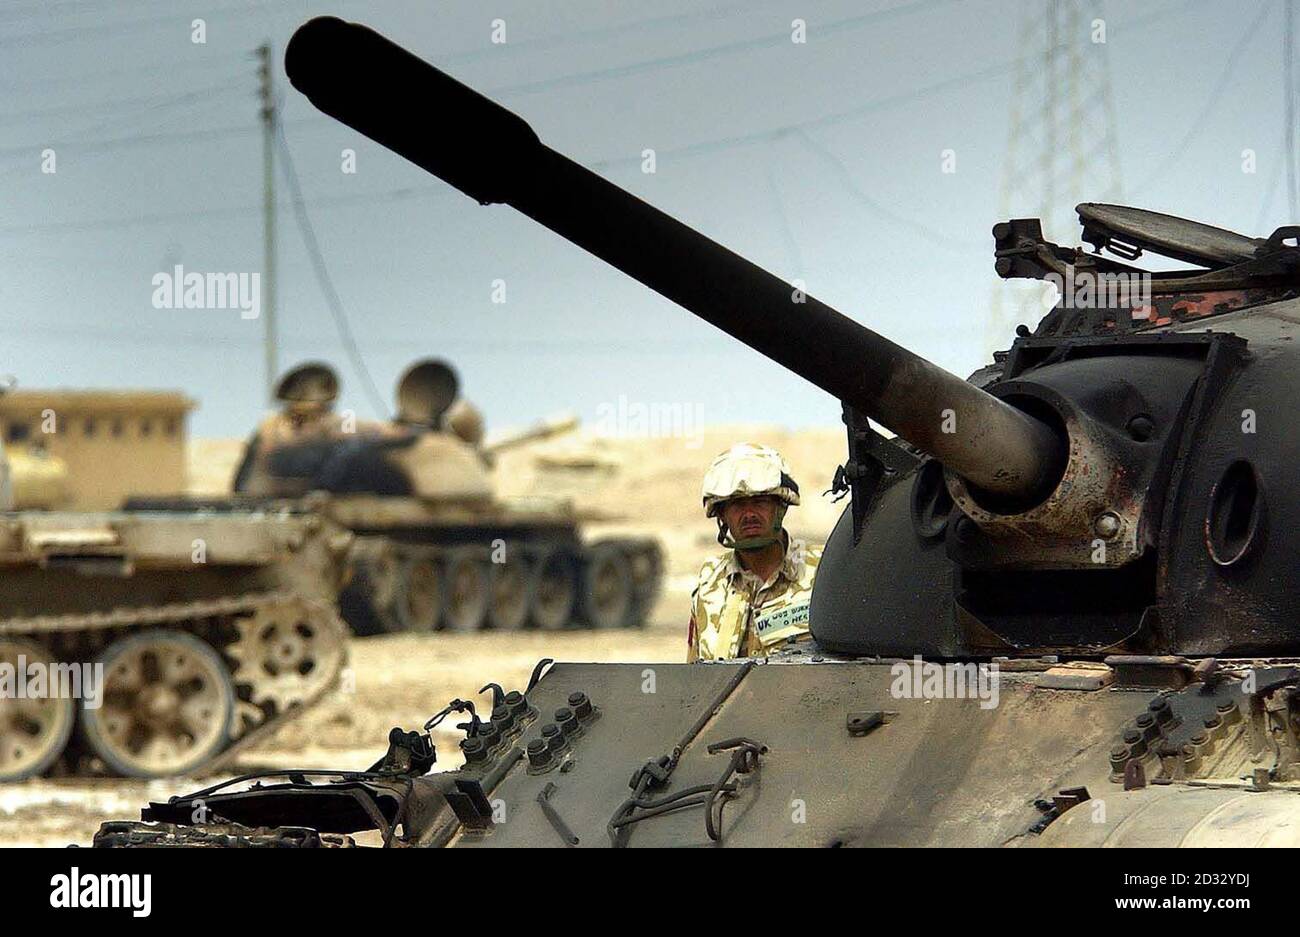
435, 547
177, 640
1058, 608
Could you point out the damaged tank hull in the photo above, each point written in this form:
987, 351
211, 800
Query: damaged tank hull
863, 754
209, 632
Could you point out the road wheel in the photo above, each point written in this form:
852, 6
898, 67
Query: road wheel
646, 560
554, 591
167, 705
607, 588
33, 732
368, 604
467, 592
417, 605
508, 610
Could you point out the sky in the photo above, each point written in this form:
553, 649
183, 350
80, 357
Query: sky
868, 161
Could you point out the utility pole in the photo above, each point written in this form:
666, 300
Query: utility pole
268, 115
1288, 83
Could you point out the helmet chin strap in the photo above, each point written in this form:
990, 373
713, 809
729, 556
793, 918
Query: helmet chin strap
752, 543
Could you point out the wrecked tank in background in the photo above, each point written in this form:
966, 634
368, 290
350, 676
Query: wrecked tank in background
1058, 610
435, 547
211, 631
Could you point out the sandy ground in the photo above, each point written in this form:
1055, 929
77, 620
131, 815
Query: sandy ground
645, 486
398, 680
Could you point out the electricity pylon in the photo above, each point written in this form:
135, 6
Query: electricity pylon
1061, 143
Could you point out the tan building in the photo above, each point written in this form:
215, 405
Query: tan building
91, 449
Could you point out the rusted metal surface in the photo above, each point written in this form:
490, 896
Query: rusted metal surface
1175, 307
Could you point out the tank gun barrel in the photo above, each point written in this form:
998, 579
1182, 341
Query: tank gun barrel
543, 429
491, 154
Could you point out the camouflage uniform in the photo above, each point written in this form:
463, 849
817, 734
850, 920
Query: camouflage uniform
735, 615
733, 612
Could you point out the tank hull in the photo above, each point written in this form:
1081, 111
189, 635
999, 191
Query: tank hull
863, 753
489, 566
191, 636
463, 565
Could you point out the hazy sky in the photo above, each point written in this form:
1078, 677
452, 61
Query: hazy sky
820, 160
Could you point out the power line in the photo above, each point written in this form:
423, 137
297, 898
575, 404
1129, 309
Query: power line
1270, 190
685, 151
117, 143
814, 123
45, 37
110, 224
744, 45
322, 275
99, 107
902, 221
958, 81
81, 78
1054, 108
961, 81
783, 222
1197, 126
18, 12
569, 37
25, 152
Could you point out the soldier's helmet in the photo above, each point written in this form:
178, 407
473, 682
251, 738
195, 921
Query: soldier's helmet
310, 385
747, 470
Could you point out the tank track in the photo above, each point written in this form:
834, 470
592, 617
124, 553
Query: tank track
134, 834
370, 604
233, 627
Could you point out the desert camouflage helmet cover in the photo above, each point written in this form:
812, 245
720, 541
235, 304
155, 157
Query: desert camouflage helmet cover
744, 471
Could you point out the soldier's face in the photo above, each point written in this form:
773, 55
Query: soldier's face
750, 517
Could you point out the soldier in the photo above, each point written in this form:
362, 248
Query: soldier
754, 596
